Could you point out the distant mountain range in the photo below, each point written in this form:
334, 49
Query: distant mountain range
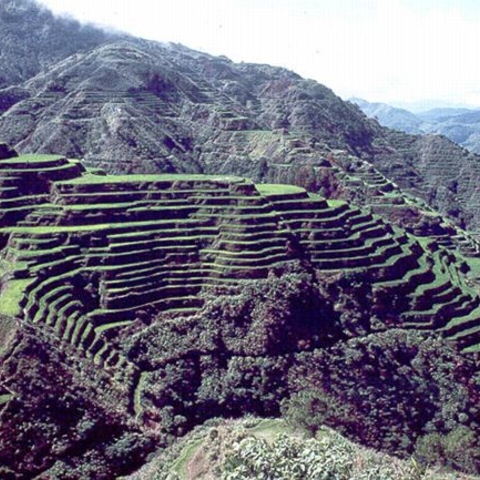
461, 125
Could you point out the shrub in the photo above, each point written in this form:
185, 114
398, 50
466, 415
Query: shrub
331, 457
459, 449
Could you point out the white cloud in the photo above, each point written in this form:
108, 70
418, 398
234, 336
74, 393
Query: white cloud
383, 50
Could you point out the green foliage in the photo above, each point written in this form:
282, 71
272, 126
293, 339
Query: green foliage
253, 385
458, 449
6, 397
232, 358
282, 313
311, 409
60, 427
387, 389
255, 449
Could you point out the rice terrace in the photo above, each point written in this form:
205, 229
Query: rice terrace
88, 259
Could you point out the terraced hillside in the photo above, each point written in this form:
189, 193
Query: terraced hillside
363, 184
84, 253
129, 105
88, 259
133, 106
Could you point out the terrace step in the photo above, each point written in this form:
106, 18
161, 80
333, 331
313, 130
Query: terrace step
465, 331
105, 316
375, 258
435, 317
460, 324
149, 294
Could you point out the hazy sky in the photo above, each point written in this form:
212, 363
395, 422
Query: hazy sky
397, 51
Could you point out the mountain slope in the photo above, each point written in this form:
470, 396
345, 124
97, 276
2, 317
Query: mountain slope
461, 125
137, 99
136, 106
135, 307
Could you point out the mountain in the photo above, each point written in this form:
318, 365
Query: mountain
438, 115
169, 108
131, 105
32, 39
136, 307
460, 125
263, 249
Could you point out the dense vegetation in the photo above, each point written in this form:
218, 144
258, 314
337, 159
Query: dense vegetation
393, 391
65, 417
134, 308
253, 448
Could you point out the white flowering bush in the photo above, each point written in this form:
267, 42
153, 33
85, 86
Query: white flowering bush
329, 458
252, 449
